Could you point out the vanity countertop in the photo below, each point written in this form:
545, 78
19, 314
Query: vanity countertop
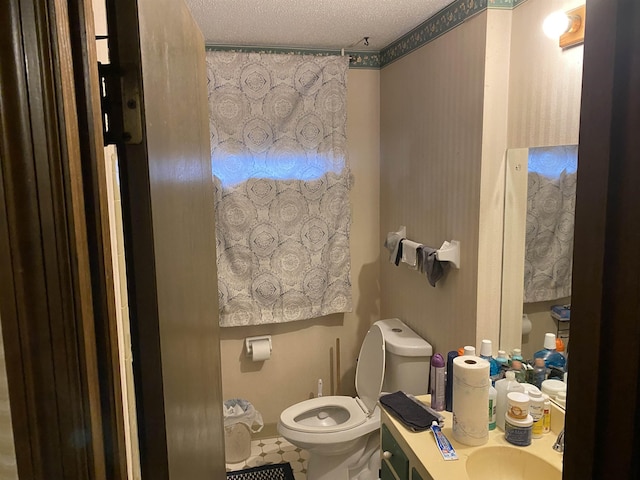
423, 446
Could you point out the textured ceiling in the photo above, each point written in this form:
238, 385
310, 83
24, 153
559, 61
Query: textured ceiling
323, 24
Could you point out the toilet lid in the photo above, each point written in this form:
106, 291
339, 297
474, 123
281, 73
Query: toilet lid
370, 369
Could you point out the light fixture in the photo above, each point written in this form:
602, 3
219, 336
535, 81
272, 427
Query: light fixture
567, 26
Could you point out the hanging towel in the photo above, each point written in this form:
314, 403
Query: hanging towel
393, 243
430, 265
410, 253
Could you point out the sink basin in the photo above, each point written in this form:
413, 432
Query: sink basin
512, 463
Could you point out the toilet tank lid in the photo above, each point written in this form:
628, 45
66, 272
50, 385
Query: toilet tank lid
399, 339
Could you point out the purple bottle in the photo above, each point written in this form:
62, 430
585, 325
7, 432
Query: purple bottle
437, 382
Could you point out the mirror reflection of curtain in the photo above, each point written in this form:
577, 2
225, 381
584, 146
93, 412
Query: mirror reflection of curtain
550, 222
278, 151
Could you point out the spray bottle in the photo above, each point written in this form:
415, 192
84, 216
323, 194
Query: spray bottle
437, 383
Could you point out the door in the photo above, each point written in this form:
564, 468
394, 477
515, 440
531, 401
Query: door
56, 309
168, 217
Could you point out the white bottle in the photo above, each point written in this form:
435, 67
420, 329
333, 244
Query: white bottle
504, 386
546, 416
493, 408
536, 409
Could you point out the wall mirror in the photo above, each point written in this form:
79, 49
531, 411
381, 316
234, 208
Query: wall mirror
538, 243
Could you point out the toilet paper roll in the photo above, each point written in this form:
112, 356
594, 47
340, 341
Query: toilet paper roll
260, 350
470, 400
526, 325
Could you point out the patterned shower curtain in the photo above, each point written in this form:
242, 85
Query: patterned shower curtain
551, 202
279, 160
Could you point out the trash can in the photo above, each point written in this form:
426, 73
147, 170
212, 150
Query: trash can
241, 419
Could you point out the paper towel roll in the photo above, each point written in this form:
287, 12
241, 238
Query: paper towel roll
260, 350
470, 400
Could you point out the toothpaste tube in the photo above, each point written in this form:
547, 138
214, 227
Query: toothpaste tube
445, 447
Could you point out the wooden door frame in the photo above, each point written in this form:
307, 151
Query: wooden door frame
603, 417
124, 52
56, 302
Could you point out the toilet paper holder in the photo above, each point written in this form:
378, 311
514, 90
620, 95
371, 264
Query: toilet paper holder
248, 343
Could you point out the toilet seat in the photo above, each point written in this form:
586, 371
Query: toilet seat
339, 413
301, 416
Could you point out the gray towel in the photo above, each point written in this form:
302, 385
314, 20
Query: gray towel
430, 265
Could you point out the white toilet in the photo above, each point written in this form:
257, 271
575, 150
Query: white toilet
341, 433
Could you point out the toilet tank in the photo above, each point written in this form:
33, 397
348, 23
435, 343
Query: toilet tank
407, 358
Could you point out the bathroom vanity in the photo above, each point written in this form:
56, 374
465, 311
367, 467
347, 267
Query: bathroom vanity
415, 456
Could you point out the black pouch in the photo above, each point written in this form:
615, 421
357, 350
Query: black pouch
409, 412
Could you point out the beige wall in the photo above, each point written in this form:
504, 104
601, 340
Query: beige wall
431, 139
8, 467
304, 351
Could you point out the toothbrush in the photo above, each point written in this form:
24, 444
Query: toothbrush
319, 387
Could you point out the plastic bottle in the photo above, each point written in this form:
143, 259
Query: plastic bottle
536, 409
539, 372
528, 369
448, 389
502, 361
486, 352
551, 357
519, 370
437, 382
504, 386
469, 350
546, 414
493, 407
517, 355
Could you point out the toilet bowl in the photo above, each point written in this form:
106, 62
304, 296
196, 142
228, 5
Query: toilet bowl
341, 433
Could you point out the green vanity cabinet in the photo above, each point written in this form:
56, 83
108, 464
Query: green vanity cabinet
399, 462
393, 457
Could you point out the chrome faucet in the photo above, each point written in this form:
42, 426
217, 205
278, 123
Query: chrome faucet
559, 445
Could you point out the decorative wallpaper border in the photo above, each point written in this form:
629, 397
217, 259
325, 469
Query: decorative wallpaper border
446, 19
504, 4
359, 59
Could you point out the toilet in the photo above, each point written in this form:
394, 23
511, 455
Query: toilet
341, 433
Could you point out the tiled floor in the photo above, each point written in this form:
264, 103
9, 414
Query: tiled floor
275, 450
